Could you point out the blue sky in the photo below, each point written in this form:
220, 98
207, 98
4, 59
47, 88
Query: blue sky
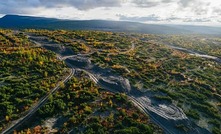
200, 12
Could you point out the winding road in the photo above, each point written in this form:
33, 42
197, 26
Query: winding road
194, 53
138, 102
134, 100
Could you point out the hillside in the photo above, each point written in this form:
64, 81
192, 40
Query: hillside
36, 86
114, 81
168, 75
22, 22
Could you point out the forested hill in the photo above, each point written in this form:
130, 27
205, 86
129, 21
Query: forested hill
20, 22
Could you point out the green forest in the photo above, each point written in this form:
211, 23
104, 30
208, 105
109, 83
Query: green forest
151, 63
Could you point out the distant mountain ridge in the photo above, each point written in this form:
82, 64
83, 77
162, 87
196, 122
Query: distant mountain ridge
21, 22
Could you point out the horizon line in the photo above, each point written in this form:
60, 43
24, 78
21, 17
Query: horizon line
147, 23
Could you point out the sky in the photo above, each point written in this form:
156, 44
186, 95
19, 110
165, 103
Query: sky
194, 12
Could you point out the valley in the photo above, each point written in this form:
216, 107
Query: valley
124, 82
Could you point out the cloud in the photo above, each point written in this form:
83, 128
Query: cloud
187, 19
145, 3
155, 18
22, 6
196, 6
148, 18
217, 11
197, 20
173, 18
167, 1
186, 3
17, 7
81, 4
200, 10
150, 3
131, 10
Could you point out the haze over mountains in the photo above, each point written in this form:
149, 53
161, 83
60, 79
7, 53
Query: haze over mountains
21, 22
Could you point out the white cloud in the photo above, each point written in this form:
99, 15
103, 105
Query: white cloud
165, 11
